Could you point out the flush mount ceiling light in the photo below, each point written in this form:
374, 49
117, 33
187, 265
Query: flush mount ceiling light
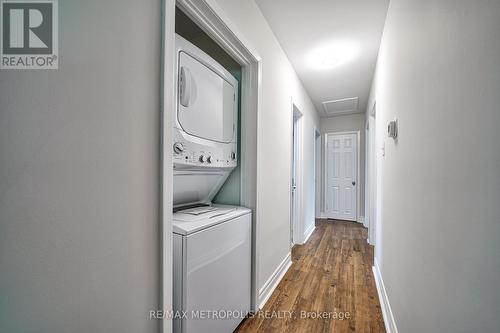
332, 55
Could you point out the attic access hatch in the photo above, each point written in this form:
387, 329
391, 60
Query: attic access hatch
341, 106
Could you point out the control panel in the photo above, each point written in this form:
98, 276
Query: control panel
188, 153
185, 154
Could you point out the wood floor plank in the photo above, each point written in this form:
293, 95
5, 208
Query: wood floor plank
331, 276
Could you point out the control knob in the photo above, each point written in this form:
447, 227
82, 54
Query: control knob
178, 147
233, 156
203, 159
209, 159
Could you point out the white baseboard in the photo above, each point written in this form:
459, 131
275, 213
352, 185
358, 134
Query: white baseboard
267, 289
308, 233
390, 323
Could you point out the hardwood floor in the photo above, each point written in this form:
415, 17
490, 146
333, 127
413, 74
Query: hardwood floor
331, 275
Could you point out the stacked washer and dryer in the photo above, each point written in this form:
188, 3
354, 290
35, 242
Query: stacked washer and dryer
212, 243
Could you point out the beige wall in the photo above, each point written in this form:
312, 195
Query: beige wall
438, 239
79, 176
279, 87
345, 123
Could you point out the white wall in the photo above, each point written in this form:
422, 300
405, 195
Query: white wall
439, 73
79, 176
345, 123
279, 86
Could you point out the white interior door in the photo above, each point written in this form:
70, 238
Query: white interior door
341, 176
294, 181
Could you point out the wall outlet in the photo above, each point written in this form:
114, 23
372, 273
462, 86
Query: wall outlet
392, 129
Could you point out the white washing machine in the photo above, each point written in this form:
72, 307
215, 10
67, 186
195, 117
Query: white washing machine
212, 268
212, 243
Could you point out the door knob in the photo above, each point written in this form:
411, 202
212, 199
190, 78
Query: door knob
353, 183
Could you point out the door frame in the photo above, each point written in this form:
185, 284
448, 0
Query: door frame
371, 175
317, 173
358, 169
296, 209
213, 21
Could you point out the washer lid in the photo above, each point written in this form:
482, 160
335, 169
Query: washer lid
200, 186
200, 213
195, 219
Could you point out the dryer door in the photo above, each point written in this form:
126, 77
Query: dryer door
206, 101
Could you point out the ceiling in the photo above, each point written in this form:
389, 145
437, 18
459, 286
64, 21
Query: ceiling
304, 26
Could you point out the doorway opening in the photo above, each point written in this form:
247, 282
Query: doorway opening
317, 173
213, 23
371, 173
296, 177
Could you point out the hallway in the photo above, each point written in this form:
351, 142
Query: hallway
331, 275
169, 166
